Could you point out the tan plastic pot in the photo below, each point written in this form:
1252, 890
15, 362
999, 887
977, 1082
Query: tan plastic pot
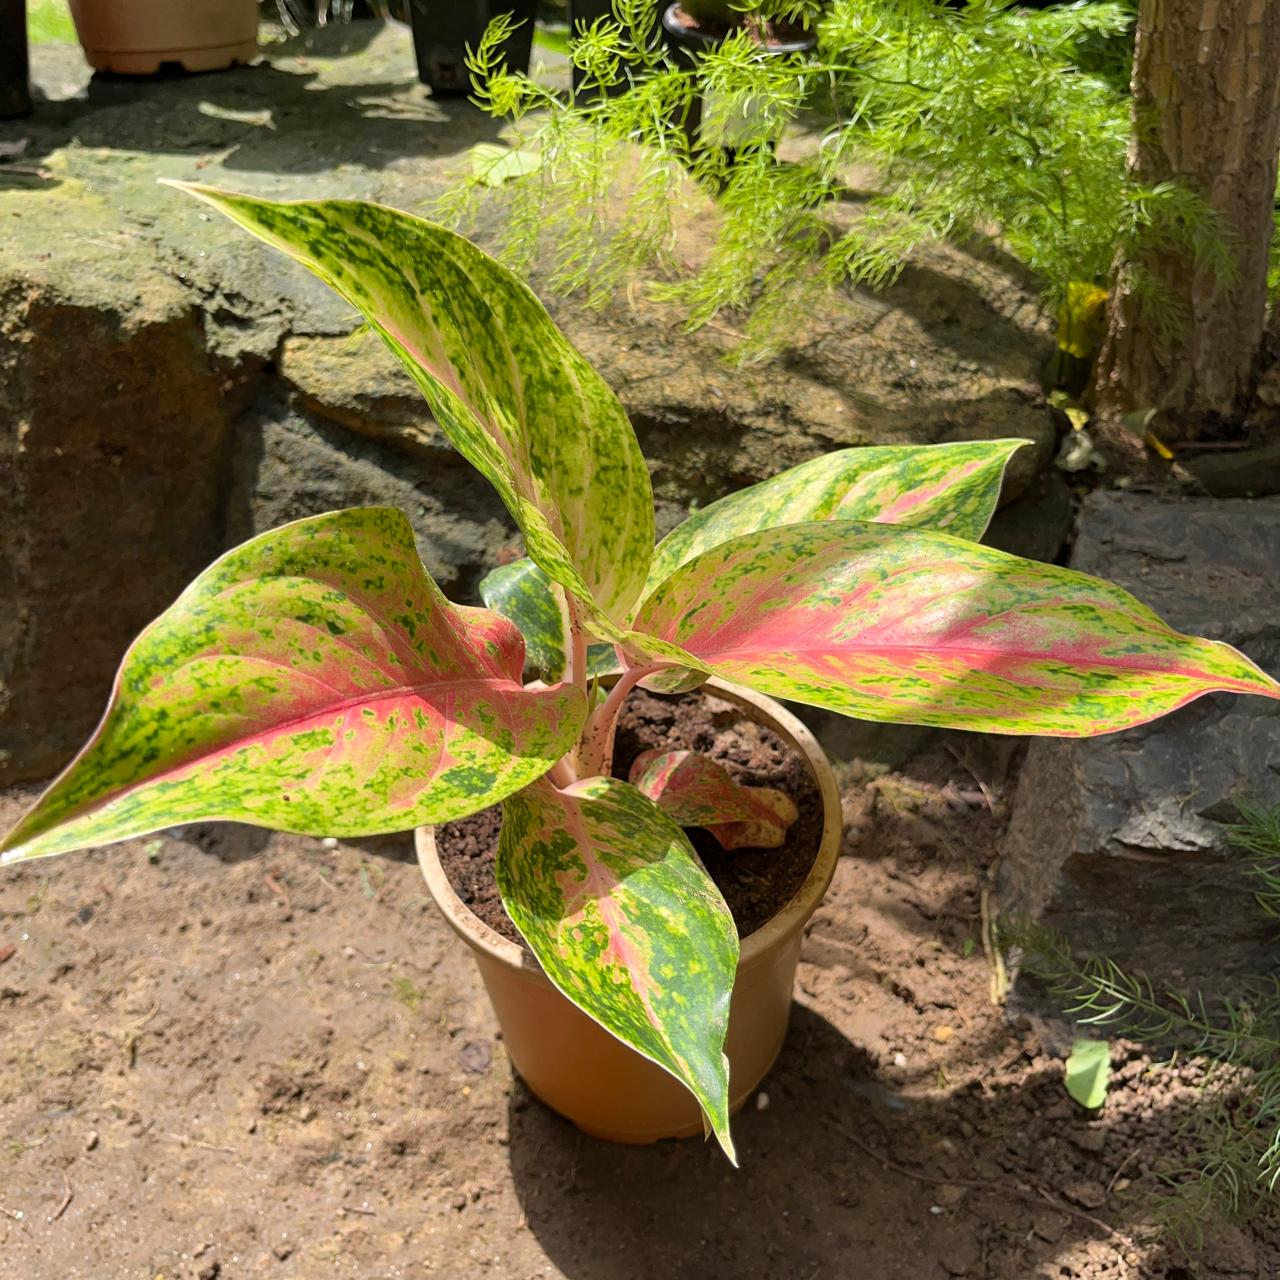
137, 37
579, 1069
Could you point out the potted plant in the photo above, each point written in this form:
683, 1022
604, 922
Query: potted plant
445, 34
316, 680
695, 27
141, 36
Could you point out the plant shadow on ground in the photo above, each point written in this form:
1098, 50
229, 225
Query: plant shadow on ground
840, 1176
909, 1132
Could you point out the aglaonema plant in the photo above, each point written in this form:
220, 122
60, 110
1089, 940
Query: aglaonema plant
316, 680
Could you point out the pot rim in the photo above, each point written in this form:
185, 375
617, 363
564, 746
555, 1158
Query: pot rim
788, 920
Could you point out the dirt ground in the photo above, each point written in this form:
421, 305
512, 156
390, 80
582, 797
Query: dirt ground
228, 1054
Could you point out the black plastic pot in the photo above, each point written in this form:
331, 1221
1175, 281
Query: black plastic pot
689, 42
15, 73
445, 30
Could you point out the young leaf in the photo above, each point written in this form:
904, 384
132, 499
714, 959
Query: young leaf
515, 398
493, 165
696, 792
909, 626
624, 920
312, 680
952, 488
1088, 1072
521, 592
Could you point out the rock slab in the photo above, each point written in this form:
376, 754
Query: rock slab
1118, 841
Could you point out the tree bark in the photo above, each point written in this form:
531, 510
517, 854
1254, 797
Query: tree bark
1206, 102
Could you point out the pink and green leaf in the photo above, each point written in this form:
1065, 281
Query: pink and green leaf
952, 488
521, 592
312, 680
513, 395
694, 791
910, 626
608, 892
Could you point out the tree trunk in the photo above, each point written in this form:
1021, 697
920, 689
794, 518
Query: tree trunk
1206, 102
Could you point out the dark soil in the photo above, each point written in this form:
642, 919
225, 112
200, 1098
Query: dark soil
244, 1055
756, 883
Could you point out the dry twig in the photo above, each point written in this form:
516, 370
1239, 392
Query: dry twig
999, 975
195, 1142
66, 1199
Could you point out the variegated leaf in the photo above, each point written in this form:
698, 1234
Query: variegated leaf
516, 399
952, 488
312, 680
609, 894
695, 791
522, 592
910, 626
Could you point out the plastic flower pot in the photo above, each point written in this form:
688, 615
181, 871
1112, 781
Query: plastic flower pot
445, 30
576, 1067
689, 38
138, 37
15, 76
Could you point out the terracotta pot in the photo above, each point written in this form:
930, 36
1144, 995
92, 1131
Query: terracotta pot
578, 1068
137, 37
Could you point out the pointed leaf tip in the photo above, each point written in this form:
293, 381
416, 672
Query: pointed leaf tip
608, 892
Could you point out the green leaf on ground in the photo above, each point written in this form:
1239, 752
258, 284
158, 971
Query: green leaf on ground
1088, 1071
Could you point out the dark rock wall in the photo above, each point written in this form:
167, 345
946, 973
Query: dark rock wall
1118, 841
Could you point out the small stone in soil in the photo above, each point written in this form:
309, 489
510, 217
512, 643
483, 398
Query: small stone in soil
1091, 1140
475, 1056
1088, 1195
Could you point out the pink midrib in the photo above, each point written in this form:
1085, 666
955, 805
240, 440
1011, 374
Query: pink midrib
596, 885
983, 660
342, 707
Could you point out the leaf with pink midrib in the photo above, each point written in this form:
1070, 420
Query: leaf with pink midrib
313, 680
607, 891
915, 627
695, 791
950, 487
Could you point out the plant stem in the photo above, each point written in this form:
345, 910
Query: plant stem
595, 750
561, 774
576, 672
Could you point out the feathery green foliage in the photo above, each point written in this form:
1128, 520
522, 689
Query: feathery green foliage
1237, 1131
982, 119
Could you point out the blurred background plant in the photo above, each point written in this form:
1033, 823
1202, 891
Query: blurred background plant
913, 121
